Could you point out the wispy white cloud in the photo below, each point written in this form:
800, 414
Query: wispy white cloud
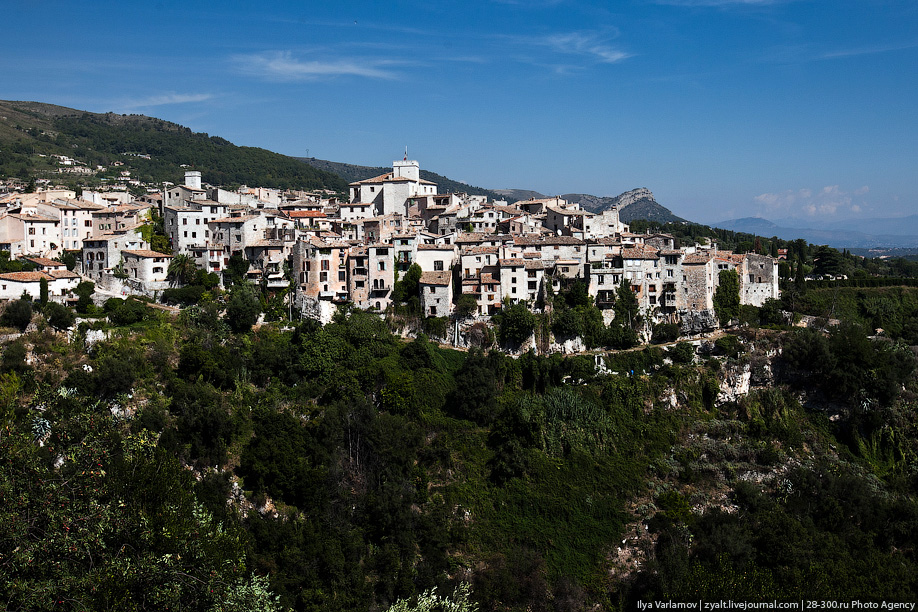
868, 50
283, 66
587, 44
828, 201
164, 99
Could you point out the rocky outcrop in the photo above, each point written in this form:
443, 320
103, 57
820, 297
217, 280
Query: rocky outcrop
700, 322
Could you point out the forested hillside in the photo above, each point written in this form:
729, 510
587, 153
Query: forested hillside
151, 149
157, 462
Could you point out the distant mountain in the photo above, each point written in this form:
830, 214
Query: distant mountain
151, 149
515, 195
635, 204
351, 173
837, 238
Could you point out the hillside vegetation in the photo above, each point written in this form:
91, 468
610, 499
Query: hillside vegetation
175, 463
31, 130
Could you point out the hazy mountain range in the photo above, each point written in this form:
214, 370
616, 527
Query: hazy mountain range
881, 232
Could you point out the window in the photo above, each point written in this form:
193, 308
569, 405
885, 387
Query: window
382, 266
341, 276
184, 221
438, 266
323, 277
431, 289
325, 264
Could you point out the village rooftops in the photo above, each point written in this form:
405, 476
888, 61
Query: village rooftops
443, 279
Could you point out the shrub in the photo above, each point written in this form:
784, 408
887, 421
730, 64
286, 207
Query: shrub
683, 352
665, 332
18, 314
58, 316
517, 324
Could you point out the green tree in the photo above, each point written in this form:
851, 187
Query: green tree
84, 292
828, 262
242, 308
517, 324
726, 297
59, 316
626, 306
43, 292
236, 268
407, 286
182, 270
466, 305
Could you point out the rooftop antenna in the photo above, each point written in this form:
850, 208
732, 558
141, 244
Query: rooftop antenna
406, 153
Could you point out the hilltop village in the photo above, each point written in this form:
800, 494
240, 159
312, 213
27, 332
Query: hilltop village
333, 252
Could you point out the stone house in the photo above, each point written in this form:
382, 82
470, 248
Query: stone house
436, 292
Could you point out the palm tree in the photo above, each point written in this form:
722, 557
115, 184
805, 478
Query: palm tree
182, 270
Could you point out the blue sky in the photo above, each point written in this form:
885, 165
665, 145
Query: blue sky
723, 108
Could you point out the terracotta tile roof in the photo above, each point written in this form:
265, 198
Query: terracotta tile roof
436, 247
44, 262
146, 253
24, 277
696, 258
38, 218
640, 251
480, 250
436, 278
63, 274
298, 214
530, 240
241, 219
389, 177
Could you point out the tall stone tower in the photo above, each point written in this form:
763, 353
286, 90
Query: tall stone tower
193, 179
407, 168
